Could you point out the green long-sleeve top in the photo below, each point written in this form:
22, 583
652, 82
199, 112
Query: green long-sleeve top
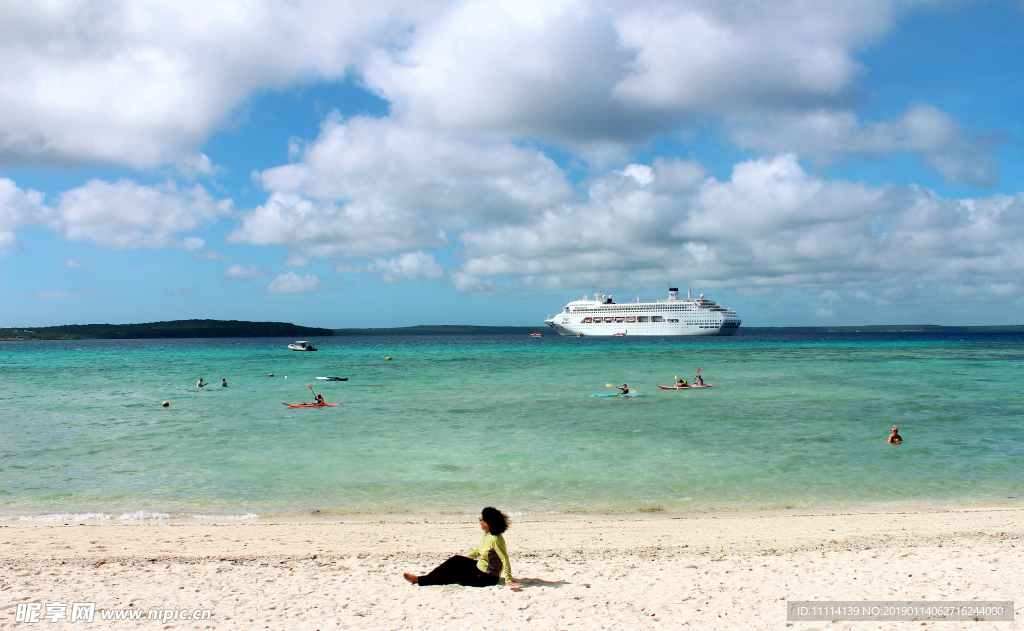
493, 556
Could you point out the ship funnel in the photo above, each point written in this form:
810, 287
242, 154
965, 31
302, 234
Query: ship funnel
673, 293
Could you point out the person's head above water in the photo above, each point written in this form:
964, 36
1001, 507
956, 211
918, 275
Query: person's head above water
497, 521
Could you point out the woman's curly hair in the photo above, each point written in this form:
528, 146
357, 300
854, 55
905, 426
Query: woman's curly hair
496, 520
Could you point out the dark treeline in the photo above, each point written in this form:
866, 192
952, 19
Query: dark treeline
240, 328
882, 328
445, 329
795, 330
172, 329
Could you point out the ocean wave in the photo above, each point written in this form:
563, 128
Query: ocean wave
129, 517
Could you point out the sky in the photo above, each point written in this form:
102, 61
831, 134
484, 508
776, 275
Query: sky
396, 163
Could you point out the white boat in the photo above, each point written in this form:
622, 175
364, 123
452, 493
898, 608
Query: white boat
667, 316
302, 345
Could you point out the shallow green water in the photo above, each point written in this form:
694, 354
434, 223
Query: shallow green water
453, 423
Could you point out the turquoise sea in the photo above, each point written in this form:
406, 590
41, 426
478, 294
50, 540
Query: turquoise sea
453, 423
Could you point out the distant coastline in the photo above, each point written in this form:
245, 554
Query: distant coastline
158, 330
883, 328
445, 329
795, 330
241, 328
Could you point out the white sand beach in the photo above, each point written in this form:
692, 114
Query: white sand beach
723, 571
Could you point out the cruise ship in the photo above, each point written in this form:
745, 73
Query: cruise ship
671, 316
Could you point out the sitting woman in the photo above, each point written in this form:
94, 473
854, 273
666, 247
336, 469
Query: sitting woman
464, 570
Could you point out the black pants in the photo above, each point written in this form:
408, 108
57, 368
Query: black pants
459, 570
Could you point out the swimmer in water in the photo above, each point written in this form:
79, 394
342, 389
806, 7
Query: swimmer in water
223, 383
895, 438
200, 384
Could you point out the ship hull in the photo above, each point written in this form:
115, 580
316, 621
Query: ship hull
658, 329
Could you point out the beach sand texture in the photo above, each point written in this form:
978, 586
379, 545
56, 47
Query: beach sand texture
727, 571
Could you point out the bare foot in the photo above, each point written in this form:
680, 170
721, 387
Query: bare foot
412, 578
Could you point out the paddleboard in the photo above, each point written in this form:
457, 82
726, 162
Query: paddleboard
310, 405
333, 378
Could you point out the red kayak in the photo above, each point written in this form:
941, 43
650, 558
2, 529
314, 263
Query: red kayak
707, 385
310, 405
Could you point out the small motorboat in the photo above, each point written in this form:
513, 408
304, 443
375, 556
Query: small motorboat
302, 345
536, 335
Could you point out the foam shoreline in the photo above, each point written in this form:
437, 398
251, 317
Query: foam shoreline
734, 570
114, 516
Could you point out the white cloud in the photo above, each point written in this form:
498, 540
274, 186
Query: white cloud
49, 294
476, 286
587, 72
196, 165
770, 226
126, 215
826, 135
698, 57
144, 83
545, 68
73, 262
245, 273
409, 266
59, 294
17, 208
139, 82
292, 283
370, 187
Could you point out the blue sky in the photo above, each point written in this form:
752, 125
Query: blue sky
459, 162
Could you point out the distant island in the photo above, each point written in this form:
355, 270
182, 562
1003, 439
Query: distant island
156, 330
796, 330
883, 328
241, 328
445, 329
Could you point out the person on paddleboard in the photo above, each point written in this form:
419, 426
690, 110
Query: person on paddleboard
895, 438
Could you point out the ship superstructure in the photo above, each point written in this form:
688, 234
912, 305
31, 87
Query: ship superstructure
672, 316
